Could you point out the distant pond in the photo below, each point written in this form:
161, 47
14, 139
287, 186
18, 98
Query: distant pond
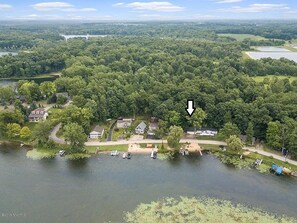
2, 53
38, 80
102, 188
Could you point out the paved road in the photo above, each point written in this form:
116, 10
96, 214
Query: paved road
151, 141
53, 135
275, 156
109, 137
147, 141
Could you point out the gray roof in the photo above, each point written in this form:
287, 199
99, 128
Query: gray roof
141, 126
98, 129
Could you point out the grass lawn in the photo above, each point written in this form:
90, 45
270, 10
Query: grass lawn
241, 37
117, 134
261, 78
93, 149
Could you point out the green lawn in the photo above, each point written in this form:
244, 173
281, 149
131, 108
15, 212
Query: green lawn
261, 78
241, 37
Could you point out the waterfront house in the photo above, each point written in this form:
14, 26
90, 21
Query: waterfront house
38, 115
97, 132
202, 131
124, 123
140, 129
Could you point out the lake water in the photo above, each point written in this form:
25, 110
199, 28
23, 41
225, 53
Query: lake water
273, 55
7, 53
38, 80
101, 188
272, 49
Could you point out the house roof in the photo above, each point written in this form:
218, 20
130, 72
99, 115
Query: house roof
141, 126
37, 113
65, 94
194, 129
97, 129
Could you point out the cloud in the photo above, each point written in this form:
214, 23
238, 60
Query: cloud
46, 17
254, 8
151, 6
5, 6
228, 1
60, 6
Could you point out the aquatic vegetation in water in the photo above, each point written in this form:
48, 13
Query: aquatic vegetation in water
234, 160
165, 156
188, 210
40, 154
77, 156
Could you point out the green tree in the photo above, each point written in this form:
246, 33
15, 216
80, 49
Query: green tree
175, 134
249, 133
25, 133
234, 143
197, 118
47, 89
30, 90
292, 143
61, 99
41, 132
13, 130
74, 134
274, 135
228, 130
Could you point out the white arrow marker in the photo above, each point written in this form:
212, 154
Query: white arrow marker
190, 107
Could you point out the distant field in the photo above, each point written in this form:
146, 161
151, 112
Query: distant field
261, 78
241, 37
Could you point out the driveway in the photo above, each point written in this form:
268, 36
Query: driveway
53, 135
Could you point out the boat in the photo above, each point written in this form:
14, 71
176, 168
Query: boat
22, 144
128, 155
62, 152
278, 170
287, 170
294, 174
186, 152
124, 155
114, 153
154, 155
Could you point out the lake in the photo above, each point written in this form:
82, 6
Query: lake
7, 53
272, 49
273, 55
38, 80
101, 188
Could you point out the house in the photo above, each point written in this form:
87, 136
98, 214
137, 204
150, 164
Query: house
202, 131
124, 123
140, 129
154, 124
64, 94
38, 115
191, 131
97, 132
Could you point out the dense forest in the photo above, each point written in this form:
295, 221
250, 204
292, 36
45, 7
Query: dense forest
153, 69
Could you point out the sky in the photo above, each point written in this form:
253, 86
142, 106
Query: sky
139, 10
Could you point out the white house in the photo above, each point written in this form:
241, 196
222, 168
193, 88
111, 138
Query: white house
202, 131
97, 132
124, 123
38, 115
140, 129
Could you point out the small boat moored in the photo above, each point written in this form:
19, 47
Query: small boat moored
278, 170
124, 155
128, 155
154, 154
114, 153
62, 152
